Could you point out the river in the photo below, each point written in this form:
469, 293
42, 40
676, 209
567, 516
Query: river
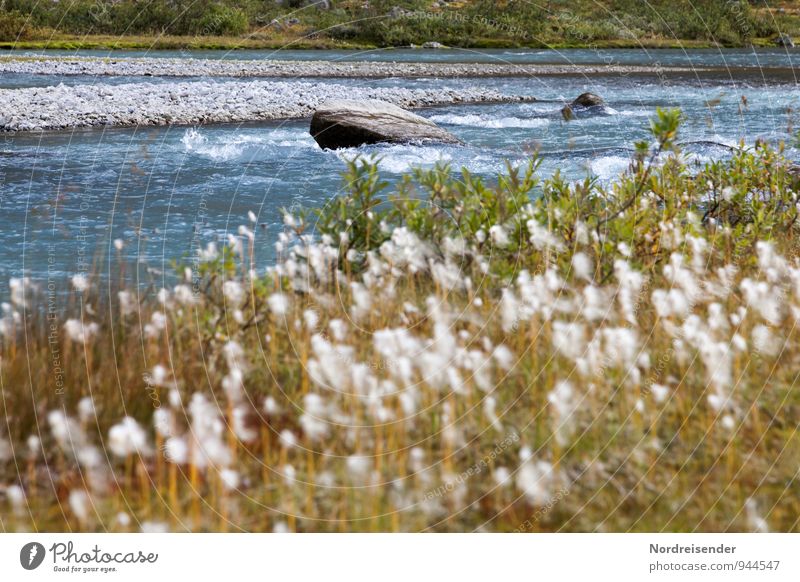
66, 196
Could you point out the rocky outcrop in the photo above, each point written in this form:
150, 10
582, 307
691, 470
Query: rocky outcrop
342, 124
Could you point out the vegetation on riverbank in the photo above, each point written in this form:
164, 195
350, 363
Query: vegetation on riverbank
168, 42
225, 24
233, 43
528, 355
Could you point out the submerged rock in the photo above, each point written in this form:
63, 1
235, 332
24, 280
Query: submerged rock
584, 101
587, 100
342, 124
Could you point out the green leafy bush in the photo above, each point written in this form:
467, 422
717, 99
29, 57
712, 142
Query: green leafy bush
220, 20
735, 203
14, 26
379, 22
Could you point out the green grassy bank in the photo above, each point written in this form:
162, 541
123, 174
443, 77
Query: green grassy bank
223, 24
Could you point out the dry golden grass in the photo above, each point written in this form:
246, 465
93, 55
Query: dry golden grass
617, 358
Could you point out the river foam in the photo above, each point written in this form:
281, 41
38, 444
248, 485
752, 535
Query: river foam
235, 147
489, 122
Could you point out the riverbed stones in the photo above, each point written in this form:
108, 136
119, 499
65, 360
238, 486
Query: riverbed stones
190, 67
190, 103
342, 123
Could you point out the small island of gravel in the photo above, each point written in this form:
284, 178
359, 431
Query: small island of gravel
201, 102
192, 67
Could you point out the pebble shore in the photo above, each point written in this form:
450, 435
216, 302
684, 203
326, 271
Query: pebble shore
190, 103
189, 67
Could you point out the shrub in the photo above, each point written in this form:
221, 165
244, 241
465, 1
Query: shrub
14, 26
220, 20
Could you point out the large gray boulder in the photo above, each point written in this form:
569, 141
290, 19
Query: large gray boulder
341, 123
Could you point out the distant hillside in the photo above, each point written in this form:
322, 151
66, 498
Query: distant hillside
386, 23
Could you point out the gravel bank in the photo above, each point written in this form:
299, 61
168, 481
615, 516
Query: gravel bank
250, 68
189, 103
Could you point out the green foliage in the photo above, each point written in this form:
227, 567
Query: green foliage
14, 26
222, 20
733, 203
405, 22
131, 17
355, 219
723, 21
